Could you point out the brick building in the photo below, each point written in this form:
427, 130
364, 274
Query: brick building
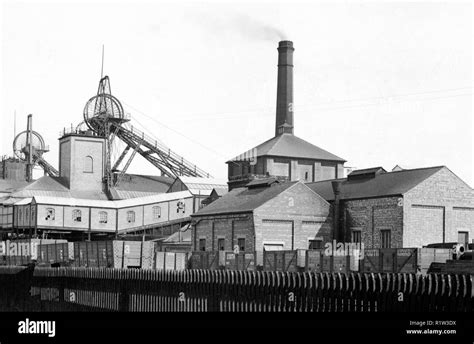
404, 208
265, 214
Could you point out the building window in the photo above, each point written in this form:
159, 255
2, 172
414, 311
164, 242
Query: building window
315, 244
180, 207
156, 212
88, 164
386, 238
463, 238
356, 236
49, 214
202, 244
241, 243
221, 244
77, 215
272, 246
102, 217
130, 216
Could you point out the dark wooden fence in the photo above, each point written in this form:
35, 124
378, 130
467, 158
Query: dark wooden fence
103, 289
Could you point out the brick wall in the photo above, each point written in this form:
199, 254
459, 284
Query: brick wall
437, 208
228, 227
292, 218
73, 151
297, 204
371, 216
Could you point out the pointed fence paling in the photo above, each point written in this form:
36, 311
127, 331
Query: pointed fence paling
106, 289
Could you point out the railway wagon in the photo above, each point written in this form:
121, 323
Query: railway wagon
22, 251
112, 254
403, 260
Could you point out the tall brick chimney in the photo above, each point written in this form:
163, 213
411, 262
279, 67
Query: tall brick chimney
284, 108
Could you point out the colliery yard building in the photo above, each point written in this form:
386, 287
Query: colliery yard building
284, 194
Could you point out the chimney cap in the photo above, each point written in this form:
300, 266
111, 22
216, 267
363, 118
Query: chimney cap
285, 44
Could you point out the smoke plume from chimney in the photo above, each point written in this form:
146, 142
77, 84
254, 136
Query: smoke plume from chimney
243, 25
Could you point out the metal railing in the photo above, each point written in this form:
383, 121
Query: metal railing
164, 149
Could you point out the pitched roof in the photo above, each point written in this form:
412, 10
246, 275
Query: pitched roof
242, 200
289, 145
131, 186
144, 183
10, 185
382, 184
55, 187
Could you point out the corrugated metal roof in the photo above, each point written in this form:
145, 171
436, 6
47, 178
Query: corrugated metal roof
144, 183
289, 145
11, 200
203, 186
125, 203
382, 184
241, 200
122, 194
24, 201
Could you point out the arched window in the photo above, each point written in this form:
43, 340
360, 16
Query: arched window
130, 216
77, 215
102, 217
49, 214
88, 164
156, 212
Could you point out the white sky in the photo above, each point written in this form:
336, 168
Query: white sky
378, 84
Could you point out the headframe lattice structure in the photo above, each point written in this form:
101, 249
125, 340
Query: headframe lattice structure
21, 148
104, 115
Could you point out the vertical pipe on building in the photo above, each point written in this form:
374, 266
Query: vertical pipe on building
29, 144
336, 187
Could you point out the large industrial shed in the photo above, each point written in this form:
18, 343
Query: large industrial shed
407, 208
265, 214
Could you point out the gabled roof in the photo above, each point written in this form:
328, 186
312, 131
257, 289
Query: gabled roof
382, 184
289, 145
242, 200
